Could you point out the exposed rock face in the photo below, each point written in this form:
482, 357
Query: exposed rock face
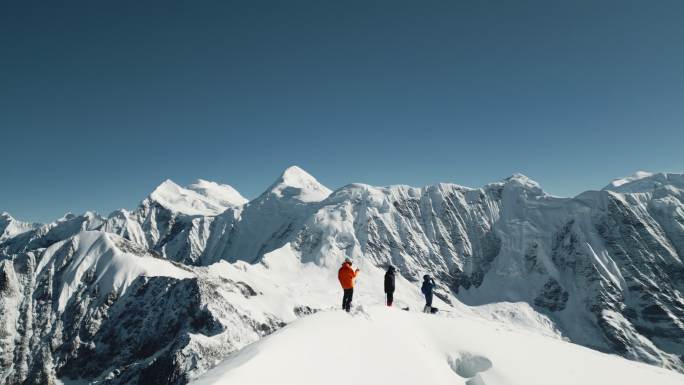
552, 296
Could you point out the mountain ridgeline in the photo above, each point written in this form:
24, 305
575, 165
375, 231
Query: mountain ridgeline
132, 297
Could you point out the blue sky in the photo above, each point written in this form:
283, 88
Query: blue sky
101, 101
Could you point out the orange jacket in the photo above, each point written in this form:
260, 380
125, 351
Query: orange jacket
346, 276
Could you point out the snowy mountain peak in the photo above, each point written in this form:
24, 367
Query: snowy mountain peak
643, 182
520, 181
10, 227
201, 198
300, 185
67, 217
223, 193
636, 176
166, 186
5, 219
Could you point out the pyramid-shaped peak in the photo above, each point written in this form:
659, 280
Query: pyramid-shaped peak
298, 184
167, 186
295, 174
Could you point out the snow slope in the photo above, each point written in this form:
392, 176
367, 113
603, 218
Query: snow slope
391, 346
269, 221
98, 257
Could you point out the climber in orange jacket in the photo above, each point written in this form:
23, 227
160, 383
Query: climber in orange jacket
346, 275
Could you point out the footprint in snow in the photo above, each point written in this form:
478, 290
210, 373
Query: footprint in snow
469, 366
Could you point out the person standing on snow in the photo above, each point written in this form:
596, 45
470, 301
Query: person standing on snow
428, 285
346, 275
389, 285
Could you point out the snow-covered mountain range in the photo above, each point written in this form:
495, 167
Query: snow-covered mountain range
161, 293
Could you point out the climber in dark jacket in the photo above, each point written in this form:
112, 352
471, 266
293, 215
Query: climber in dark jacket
389, 285
428, 285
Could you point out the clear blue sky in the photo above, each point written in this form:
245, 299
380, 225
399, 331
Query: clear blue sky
102, 100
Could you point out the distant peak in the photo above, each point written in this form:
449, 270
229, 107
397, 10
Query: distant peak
167, 185
518, 175
523, 180
203, 182
296, 183
224, 194
519, 182
632, 178
294, 173
10, 227
643, 181
200, 198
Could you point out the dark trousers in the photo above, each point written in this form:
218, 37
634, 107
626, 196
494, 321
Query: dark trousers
390, 298
347, 299
428, 303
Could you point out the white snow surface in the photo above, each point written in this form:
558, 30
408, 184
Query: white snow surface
10, 227
628, 179
380, 345
496, 344
200, 198
222, 193
97, 253
510, 342
643, 182
297, 184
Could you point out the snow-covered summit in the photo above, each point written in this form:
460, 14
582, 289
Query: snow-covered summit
223, 193
200, 198
5, 219
643, 181
521, 181
298, 184
10, 227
